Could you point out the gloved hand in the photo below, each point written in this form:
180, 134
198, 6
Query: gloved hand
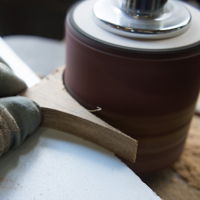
19, 116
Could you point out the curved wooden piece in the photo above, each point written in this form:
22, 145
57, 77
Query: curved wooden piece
62, 112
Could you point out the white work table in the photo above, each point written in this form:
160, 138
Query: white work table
56, 165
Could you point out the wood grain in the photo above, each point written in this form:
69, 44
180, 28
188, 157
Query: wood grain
60, 111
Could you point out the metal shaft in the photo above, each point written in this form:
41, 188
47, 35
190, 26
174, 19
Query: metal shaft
147, 19
144, 7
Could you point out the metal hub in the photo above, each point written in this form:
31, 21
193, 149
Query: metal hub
147, 19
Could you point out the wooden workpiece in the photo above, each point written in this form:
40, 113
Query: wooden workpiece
60, 111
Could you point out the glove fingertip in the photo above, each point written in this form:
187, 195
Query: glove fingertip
10, 84
23, 118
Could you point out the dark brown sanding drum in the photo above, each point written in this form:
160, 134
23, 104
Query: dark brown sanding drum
146, 88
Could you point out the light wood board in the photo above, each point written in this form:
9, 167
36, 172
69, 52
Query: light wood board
60, 111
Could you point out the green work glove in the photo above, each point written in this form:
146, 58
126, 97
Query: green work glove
19, 116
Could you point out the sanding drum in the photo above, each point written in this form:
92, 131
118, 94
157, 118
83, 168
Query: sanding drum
139, 61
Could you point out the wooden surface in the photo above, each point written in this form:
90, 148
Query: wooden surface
60, 111
171, 184
168, 184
